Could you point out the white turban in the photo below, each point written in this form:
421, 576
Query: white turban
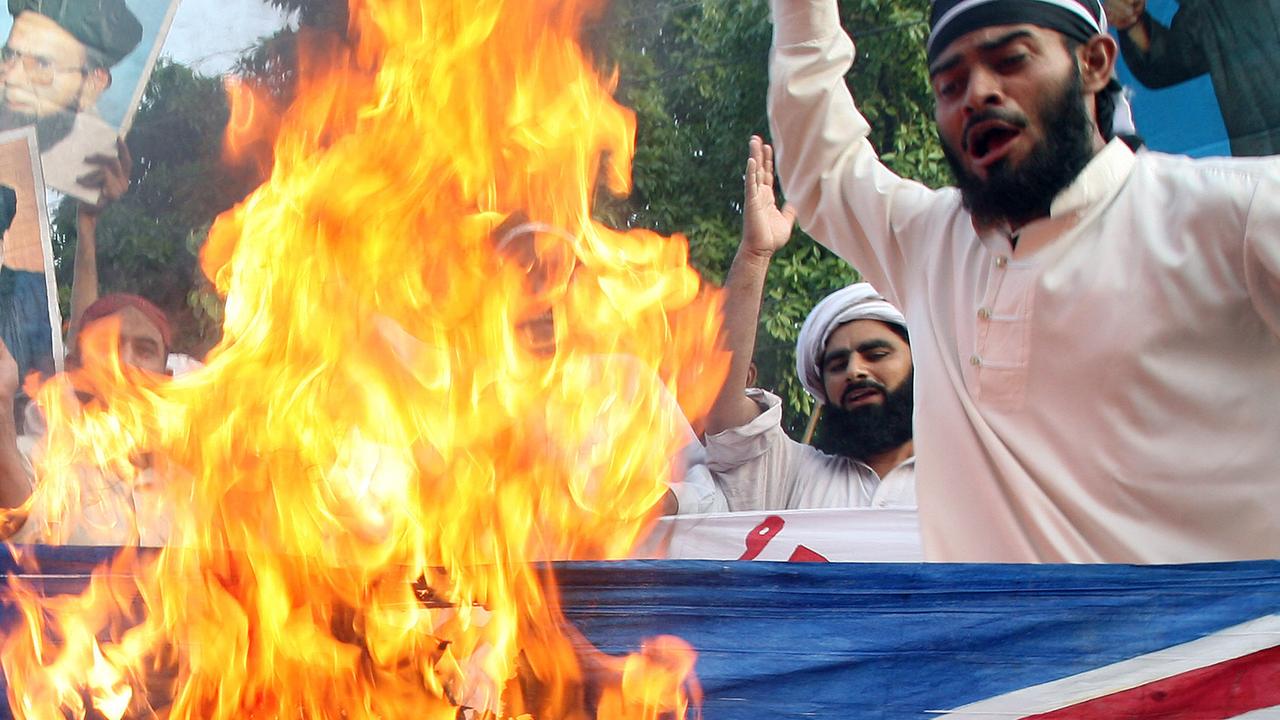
859, 301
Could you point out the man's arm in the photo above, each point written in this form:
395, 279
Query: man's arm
752, 463
1158, 56
15, 485
844, 196
111, 177
765, 230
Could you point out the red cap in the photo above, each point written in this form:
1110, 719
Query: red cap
115, 302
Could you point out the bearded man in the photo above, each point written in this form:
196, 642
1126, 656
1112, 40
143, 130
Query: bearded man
110, 508
1097, 330
55, 65
852, 356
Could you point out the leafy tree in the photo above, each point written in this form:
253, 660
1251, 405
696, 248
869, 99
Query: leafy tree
696, 74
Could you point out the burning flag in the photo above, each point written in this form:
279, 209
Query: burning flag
437, 372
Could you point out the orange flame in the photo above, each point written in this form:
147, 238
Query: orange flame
437, 372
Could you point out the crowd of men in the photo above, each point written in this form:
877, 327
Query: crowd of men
1069, 357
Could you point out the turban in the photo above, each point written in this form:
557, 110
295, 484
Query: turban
114, 303
1078, 20
859, 301
107, 26
8, 207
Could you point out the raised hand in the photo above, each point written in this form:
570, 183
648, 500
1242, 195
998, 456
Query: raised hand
110, 176
765, 228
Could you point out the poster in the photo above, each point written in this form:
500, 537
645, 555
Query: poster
30, 322
78, 74
1203, 74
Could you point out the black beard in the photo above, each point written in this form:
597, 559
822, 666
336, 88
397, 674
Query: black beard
50, 129
869, 430
1019, 193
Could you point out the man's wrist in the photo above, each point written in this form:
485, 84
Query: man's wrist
754, 256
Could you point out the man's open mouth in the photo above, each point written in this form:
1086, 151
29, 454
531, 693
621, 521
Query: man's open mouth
860, 395
986, 141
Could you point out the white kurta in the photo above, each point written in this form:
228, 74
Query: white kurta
107, 510
1107, 392
758, 467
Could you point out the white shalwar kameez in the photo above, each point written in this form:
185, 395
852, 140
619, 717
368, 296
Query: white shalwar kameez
758, 467
1106, 391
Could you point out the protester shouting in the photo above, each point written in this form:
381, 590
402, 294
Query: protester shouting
852, 356
1097, 331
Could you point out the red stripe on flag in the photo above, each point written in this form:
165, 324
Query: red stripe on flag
1215, 692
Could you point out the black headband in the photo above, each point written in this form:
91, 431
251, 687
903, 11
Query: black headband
950, 19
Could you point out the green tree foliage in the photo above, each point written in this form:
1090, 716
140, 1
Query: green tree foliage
695, 71
272, 65
148, 240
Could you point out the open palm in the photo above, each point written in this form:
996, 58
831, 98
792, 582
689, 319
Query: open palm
765, 227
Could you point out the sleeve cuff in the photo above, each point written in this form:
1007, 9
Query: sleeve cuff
733, 447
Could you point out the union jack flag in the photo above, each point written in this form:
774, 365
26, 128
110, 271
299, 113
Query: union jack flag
848, 640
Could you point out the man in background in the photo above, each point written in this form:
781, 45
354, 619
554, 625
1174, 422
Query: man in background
1237, 42
111, 509
852, 356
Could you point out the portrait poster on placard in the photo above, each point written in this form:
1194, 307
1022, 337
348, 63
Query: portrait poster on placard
76, 70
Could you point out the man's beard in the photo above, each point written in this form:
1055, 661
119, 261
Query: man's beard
1017, 193
50, 129
869, 430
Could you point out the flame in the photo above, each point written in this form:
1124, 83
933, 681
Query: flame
437, 372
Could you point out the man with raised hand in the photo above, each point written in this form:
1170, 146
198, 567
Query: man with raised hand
852, 356
1097, 331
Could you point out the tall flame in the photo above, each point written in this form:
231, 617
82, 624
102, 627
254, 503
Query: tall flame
437, 372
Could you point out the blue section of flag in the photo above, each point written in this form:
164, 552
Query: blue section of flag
883, 641
898, 641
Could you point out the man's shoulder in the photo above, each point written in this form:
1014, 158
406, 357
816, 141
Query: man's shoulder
1183, 166
1207, 181
812, 461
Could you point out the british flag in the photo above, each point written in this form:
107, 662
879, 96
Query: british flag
1234, 673
787, 640
781, 640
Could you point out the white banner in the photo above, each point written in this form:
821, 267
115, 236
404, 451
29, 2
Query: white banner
845, 535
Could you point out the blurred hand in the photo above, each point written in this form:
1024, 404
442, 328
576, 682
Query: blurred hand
765, 228
1124, 14
110, 176
9, 380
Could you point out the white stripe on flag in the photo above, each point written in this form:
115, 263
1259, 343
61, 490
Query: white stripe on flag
1228, 644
